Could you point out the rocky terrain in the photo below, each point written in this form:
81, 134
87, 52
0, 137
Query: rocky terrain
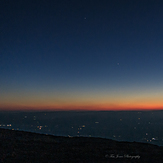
26, 147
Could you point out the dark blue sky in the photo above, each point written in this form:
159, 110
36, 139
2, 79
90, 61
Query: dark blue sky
78, 53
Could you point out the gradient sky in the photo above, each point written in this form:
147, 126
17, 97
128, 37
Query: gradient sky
81, 54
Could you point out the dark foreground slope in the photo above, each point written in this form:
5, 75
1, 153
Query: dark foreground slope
19, 146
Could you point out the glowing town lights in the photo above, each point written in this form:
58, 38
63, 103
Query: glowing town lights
39, 127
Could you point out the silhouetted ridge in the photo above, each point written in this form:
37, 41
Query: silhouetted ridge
21, 146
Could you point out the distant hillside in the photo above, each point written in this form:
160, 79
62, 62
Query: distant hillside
20, 146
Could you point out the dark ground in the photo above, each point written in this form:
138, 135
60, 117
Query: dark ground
20, 146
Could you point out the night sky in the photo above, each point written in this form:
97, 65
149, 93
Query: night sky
81, 54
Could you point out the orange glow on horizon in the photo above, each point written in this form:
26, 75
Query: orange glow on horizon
88, 101
80, 108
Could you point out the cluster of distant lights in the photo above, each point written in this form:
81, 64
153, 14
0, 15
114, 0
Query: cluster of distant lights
153, 139
78, 132
3, 125
79, 128
10, 125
